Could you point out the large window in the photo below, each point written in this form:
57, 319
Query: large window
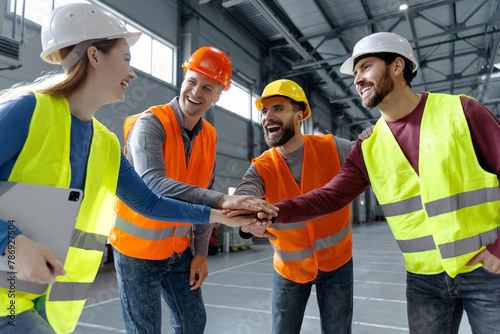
237, 100
150, 54
38, 10
255, 113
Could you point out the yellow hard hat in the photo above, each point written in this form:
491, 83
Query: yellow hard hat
287, 88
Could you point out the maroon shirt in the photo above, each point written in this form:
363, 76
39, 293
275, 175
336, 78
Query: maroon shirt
352, 178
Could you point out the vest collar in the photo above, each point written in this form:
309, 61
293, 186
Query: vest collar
180, 118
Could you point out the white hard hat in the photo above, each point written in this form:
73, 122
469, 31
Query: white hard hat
78, 22
380, 42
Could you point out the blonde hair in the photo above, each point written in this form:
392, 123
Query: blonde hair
60, 84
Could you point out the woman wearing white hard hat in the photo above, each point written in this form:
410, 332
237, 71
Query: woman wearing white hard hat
48, 136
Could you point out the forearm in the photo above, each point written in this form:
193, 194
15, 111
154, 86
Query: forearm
134, 192
253, 185
348, 184
201, 238
164, 186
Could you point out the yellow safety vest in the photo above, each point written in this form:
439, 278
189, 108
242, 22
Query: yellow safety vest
450, 212
44, 160
304, 247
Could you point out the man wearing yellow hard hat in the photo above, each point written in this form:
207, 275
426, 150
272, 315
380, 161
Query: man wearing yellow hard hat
310, 252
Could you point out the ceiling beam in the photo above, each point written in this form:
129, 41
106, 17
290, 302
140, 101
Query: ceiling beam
334, 33
272, 18
491, 47
453, 23
231, 3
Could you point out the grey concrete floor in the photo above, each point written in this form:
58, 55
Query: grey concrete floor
237, 292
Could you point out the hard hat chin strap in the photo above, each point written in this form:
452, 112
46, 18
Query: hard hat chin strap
77, 53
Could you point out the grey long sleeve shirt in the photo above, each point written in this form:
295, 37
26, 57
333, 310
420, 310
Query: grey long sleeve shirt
145, 153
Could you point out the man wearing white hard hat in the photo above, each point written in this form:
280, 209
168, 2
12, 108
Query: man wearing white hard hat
433, 162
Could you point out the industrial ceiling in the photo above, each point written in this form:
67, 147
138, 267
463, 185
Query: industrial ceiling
456, 43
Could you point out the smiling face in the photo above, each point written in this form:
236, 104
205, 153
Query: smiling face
198, 93
116, 71
373, 81
279, 120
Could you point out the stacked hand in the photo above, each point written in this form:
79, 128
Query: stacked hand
253, 214
259, 229
246, 205
218, 216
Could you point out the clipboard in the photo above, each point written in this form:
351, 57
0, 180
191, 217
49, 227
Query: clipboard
44, 214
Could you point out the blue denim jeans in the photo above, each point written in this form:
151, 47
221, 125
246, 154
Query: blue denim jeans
334, 292
33, 321
436, 302
142, 282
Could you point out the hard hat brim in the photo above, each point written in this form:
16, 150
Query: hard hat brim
130, 37
348, 66
260, 102
208, 73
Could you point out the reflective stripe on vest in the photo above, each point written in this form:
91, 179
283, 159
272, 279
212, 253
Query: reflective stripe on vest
421, 244
140, 237
295, 255
333, 239
450, 212
87, 240
149, 234
7, 279
68, 291
304, 247
291, 226
450, 249
48, 144
403, 207
462, 200
469, 245
318, 244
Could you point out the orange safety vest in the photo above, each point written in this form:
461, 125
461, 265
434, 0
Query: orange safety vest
304, 247
137, 236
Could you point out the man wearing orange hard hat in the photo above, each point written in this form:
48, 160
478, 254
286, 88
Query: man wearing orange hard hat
173, 149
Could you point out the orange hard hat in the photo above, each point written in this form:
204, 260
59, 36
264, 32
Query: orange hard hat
212, 62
